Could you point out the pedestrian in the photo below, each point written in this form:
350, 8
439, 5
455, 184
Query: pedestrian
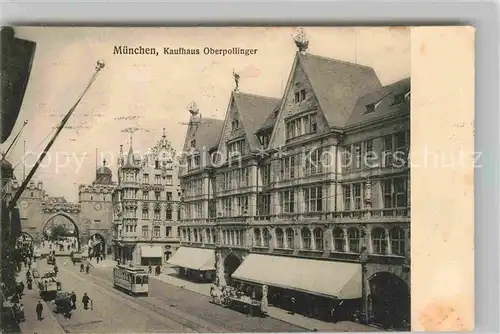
73, 300
150, 269
87, 269
85, 301
39, 309
81, 267
56, 270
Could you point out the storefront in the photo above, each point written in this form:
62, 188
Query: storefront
194, 263
151, 255
322, 289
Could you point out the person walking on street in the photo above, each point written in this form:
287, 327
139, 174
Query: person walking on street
39, 310
73, 300
150, 269
85, 301
82, 267
87, 269
56, 269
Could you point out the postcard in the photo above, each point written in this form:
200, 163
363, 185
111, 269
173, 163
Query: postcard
237, 179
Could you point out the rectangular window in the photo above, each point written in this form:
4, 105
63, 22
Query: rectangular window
346, 191
287, 201
168, 231
168, 213
356, 190
156, 231
264, 205
157, 179
145, 231
145, 214
266, 174
313, 198
243, 205
157, 195
145, 178
228, 210
395, 192
169, 196
169, 181
388, 151
157, 215
300, 96
287, 168
145, 195
314, 164
368, 154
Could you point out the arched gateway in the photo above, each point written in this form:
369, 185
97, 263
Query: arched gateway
390, 300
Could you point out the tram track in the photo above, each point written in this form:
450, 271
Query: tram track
177, 322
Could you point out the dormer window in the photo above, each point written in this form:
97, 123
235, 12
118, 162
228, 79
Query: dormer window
300, 96
369, 108
400, 98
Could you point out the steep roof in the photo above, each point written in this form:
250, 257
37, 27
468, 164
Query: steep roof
130, 159
383, 98
254, 110
338, 85
205, 133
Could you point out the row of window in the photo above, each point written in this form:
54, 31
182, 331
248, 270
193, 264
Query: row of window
301, 126
155, 231
132, 213
193, 188
133, 194
233, 179
392, 241
197, 235
362, 155
133, 177
236, 148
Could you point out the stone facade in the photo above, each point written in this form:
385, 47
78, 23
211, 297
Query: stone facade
308, 191
146, 206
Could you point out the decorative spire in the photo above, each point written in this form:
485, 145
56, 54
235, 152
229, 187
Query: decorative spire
193, 108
236, 77
104, 162
121, 149
301, 41
164, 133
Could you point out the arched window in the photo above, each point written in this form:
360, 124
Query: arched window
195, 235
200, 232
214, 236
306, 238
318, 239
338, 239
265, 237
209, 236
232, 242
379, 241
189, 234
224, 238
398, 242
184, 234
280, 238
354, 240
257, 237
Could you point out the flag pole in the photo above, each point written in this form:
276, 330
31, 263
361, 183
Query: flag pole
12, 203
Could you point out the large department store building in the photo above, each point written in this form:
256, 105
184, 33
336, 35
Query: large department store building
308, 193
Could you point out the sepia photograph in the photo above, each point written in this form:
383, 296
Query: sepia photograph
178, 180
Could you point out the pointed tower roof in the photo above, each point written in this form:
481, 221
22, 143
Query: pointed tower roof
130, 159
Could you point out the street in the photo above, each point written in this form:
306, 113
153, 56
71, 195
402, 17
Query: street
167, 309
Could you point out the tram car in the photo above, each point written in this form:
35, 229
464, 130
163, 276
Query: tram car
48, 285
132, 280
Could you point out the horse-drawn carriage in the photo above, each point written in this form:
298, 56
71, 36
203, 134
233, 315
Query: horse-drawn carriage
48, 285
63, 305
51, 259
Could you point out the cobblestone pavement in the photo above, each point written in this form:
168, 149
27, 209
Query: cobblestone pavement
196, 305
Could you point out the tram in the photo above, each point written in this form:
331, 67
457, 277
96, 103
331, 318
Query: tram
132, 280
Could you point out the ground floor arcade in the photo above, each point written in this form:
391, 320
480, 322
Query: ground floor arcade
143, 254
319, 288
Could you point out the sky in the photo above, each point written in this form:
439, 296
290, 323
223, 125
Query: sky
152, 93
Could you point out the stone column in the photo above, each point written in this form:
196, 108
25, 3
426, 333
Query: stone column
368, 196
368, 239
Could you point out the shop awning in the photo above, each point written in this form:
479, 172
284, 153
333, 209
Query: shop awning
325, 278
194, 258
151, 251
